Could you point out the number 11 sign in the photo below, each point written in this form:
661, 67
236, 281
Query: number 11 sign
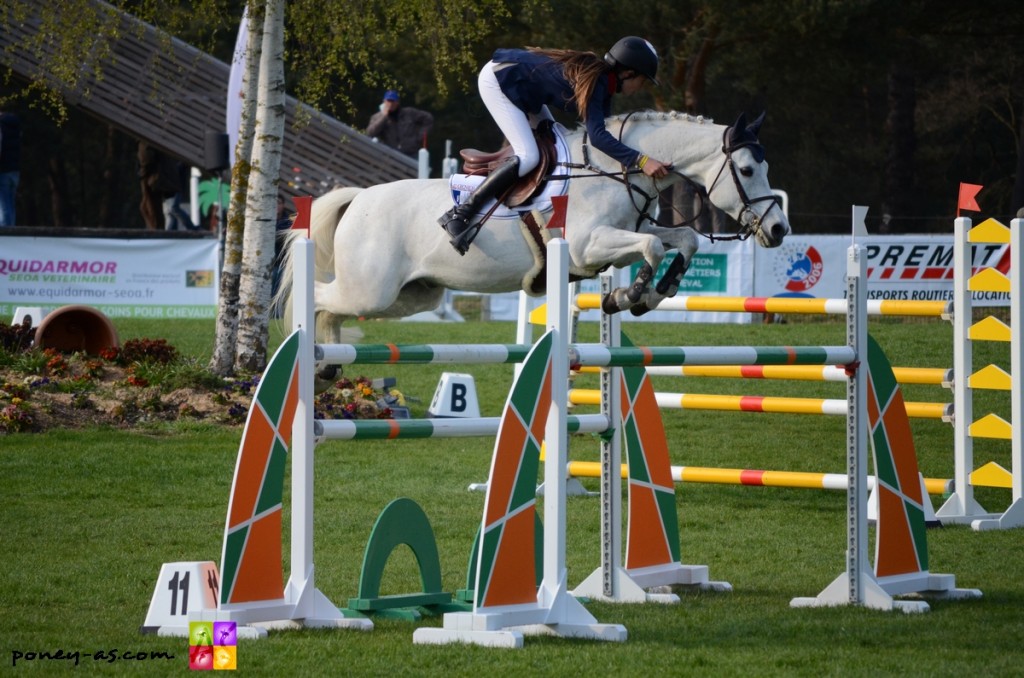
181, 588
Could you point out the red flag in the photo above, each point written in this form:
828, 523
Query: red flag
303, 207
966, 200
558, 204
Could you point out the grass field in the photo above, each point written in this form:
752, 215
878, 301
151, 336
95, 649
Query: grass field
89, 516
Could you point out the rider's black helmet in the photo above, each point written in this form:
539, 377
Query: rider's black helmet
635, 54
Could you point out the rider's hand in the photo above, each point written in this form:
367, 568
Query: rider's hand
655, 168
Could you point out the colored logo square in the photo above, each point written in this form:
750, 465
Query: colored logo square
225, 633
200, 657
225, 657
199, 278
200, 633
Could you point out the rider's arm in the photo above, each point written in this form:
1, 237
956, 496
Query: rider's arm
602, 139
597, 110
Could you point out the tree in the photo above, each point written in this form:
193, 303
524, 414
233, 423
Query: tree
223, 359
261, 202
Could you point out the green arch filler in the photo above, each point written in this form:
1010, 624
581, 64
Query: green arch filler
402, 522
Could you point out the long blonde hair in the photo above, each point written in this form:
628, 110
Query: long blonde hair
582, 69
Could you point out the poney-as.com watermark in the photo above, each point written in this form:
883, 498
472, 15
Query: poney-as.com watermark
76, 657
212, 646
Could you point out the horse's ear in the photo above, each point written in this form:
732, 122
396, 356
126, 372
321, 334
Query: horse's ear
755, 126
741, 122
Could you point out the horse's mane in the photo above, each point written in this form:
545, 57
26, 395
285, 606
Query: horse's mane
645, 115
652, 115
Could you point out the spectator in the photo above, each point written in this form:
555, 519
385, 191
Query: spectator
162, 179
403, 128
10, 164
175, 216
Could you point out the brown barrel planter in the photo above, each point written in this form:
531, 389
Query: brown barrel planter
76, 328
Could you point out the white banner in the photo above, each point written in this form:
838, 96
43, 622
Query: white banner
121, 278
900, 267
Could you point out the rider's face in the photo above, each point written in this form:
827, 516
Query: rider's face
632, 82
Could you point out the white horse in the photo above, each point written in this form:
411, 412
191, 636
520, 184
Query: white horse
381, 253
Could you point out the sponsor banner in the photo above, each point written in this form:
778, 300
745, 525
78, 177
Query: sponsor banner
121, 278
904, 268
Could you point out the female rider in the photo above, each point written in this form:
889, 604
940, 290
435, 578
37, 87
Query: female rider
519, 84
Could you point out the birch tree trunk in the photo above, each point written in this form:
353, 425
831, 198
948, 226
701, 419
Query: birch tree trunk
223, 360
261, 204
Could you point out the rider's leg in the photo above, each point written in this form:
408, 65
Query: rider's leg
515, 125
457, 220
511, 120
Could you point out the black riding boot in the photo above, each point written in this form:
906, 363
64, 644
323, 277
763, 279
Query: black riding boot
457, 220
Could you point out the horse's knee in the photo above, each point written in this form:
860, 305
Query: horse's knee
689, 243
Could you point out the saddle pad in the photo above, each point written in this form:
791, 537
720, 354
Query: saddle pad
462, 185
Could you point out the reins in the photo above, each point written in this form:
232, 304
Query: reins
643, 211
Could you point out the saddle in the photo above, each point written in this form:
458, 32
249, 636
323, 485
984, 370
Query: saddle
480, 163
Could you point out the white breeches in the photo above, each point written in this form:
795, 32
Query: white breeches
511, 120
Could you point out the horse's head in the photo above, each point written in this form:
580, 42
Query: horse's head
748, 197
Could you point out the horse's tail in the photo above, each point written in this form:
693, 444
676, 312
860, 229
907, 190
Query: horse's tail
323, 222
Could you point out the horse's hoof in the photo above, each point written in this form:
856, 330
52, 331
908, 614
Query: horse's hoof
640, 309
609, 306
329, 373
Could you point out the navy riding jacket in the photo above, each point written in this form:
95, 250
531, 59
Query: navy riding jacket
535, 80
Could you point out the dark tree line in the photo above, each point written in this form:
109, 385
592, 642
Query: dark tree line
869, 102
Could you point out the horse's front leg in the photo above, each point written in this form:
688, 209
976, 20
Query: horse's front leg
605, 245
685, 241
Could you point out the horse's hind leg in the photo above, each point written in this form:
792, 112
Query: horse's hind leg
329, 331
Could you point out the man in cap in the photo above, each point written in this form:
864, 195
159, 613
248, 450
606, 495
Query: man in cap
404, 128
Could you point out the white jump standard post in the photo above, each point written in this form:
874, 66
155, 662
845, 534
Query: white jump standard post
857, 585
556, 611
611, 582
311, 606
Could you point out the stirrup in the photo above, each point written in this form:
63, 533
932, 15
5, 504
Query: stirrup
453, 215
462, 241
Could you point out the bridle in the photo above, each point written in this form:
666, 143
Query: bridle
749, 220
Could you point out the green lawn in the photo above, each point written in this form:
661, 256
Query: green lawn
90, 516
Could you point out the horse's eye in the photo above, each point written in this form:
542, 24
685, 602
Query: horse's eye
747, 171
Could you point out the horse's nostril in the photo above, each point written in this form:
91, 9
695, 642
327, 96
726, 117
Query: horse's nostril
778, 232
